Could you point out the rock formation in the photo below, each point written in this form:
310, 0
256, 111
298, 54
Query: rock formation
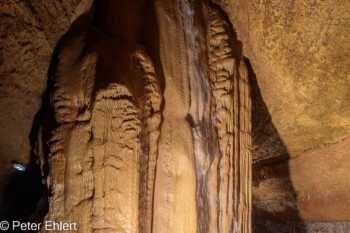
103, 148
29, 33
114, 166
176, 116
297, 51
229, 81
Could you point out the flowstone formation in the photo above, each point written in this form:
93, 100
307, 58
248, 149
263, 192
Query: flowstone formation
145, 135
210, 178
141, 122
228, 75
103, 149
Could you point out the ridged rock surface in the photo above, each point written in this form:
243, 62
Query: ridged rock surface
120, 154
29, 32
204, 168
299, 51
145, 124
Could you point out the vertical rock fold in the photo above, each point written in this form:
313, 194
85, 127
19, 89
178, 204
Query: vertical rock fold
124, 155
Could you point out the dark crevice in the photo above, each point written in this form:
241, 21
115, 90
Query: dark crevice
270, 163
22, 195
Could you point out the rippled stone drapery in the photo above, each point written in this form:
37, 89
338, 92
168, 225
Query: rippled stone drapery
118, 163
229, 82
204, 69
104, 139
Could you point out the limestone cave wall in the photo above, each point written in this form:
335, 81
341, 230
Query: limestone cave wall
176, 116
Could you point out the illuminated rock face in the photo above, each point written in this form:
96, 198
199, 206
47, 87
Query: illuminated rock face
205, 186
103, 152
147, 127
155, 141
298, 51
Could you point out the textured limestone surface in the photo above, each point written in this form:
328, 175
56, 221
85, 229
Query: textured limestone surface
320, 178
29, 32
95, 151
299, 51
149, 136
147, 112
203, 174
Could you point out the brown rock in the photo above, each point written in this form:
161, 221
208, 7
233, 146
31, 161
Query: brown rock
29, 31
146, 125
297, 50
299, 53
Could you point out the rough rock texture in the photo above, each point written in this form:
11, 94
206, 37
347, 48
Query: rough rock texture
29, 32
95, 151
323, 196
299, 51
219, 186
109, 162
145, 125
310, 227
228, 74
